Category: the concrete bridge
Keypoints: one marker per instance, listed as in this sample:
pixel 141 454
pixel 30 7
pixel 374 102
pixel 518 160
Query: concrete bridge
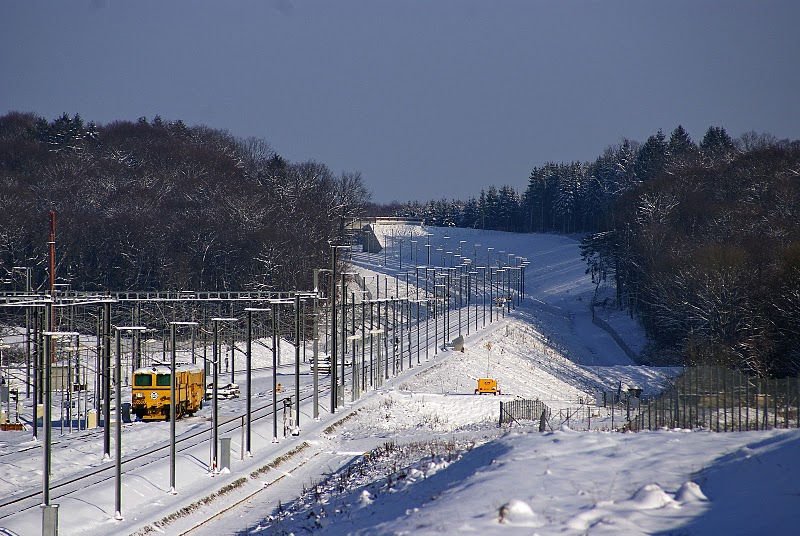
pixel 364 229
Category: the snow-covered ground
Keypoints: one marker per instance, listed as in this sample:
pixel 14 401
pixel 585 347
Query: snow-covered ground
pixel 423 455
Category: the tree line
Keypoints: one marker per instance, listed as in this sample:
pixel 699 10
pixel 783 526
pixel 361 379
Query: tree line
pixel 159 205
pixel 706 251
pixel 701 240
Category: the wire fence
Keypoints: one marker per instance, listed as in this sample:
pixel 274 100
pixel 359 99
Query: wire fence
pixel 528 410
pixel 614 415
pixel 722 400
pixel 708 398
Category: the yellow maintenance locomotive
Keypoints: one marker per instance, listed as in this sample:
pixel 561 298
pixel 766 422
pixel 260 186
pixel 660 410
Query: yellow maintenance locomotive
pixel 151 391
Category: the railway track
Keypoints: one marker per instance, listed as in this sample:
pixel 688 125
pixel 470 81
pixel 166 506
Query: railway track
pixel 31 498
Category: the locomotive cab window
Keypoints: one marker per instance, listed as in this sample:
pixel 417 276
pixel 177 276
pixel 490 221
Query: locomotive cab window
pixel 162 380
pixel 142 380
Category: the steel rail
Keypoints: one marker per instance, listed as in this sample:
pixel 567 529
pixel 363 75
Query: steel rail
pixel 138 455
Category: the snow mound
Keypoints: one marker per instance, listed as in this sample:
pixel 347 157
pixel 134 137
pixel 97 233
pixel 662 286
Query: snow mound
pixel 365 499
pixel 690 492
pixel 434 467
pixel 584 520
pixel 650 497
pixel 415 474
pixel 518 512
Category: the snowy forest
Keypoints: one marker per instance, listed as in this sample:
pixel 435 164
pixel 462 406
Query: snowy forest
pixel 158 205
pixel 701 240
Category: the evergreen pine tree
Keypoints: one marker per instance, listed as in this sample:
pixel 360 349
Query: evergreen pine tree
pixel 716 144
pixel 682 152
pixel 680 144
pixel 507 206
pixel 490 208
pixel 482 209
pixel 470 214
pixel 652 158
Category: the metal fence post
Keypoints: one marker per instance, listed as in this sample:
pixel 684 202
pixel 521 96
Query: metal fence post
pixel 758 427
pixel 739 396
pixel 747 404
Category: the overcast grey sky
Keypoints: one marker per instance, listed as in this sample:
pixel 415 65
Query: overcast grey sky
pixel 426 98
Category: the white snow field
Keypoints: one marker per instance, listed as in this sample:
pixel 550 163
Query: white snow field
pixel 423 455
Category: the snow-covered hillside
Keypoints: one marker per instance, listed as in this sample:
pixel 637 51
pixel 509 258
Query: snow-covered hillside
pixel 437 463
pixel 423 455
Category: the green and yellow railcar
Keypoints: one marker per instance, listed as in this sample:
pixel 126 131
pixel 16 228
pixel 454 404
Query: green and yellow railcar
pixel 151 391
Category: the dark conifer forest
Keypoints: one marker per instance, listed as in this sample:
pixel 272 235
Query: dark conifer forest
pixel 701 240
